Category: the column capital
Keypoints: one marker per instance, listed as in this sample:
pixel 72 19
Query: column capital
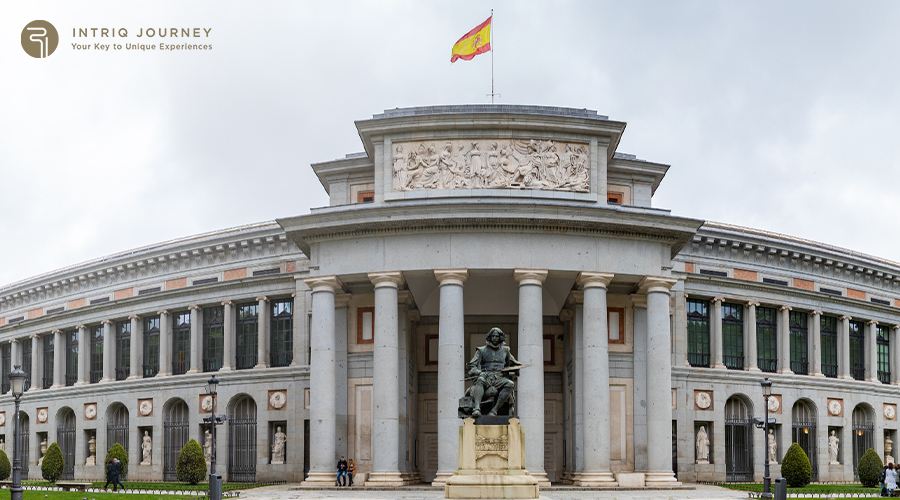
pixel 134 316
pixel 194 306
pixel 896 327
pixel 451 276
pixel 54 332
pixel 566 315
pixel 327 283
pixel 37 336
pixel 530 276
pixel 262 298
pixel 81 327
pixel 14 341
pixel 660 284
pixel 816 313
pixel 872 322
pixel 845 317
pixel 393 279
pixel 163 312
pixel 639 300
pixel 575 297
pixel 717 299
pixel 753 303
pixel 414 315
pixel 786 308
pixel 342 299
pixel 404 298
pixel 593 279
pixel 227 303
pixel 106 322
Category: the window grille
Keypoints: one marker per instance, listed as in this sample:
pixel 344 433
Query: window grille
pixel 863 434
pixel 48 362
pixel 151 346
pixel 65 436
pixel 5 354
pixel 242 442
pixel 767 338
pixel 27 354
pixel 698 333
pixel 799 343
pixel 733 335
pixel 828 333
pixel 803 430
pixel 123 350
pixel 181 343
pixel 884 354
pixel 857 350
pixel 247 337
pixel 71 357
pixel 738 441
pixel 175 436
pixel 96 353
pixel 213 338
pixel 281 332
pixel 117 427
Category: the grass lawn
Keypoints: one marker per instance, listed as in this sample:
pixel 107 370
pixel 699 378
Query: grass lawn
pixel 810 488
pixel 156 486
pixel 75 495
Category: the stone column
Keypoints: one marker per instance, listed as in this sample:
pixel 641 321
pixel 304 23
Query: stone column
pixel 784 341
pixel 716 341
pixel 342 393
pixel 37 358
pixel 752 350
pixel 13 355
pixel 895 356
pixel 531 379
pixel 451 368
pixel 596 383
pixel 262 333
pixel 641 440
pixel 165 343
pixel 814 331
pixel 408 318
pixel 322 382
pixel 136 348
pixel 578 385
pixel 84 358
pixel 301 324
pixel 196 339
pixel 844 348
pixel 59 358
pixel 109 351
pixel 659 381
pixel 871 360
pixel 385 385
pixel 228 337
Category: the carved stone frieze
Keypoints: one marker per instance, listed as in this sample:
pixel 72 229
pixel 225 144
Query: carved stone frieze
pixel 467 164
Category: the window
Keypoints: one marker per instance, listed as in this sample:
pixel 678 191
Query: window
pixel 733 335
pixel 829 346
pixel 96 353
pixel 365 197
pixel 71 357
pixel 247 337
pixel 48 362
pixel 549 350
pixel 431 349
pixel 767 338
pixel 799 343
pixel 181 343
pixel 5 354
pixel 884 354
pixel 614 198
pixel 151 346
pixel 123 349
pixel 615 316
pixel 698 332
pixel 213 338
pixel 365 324
pixel 281 332
pixel 27 353
pixel 857 350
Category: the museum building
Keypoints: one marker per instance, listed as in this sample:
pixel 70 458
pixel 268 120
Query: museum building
pixel 346 331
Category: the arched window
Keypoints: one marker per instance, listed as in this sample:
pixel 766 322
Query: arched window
pixel 65 436
pixel 242 441
pixel 117 426
pixel 803 430
pixel 738 440
pixel 175 436
pixel 863 433
pixel 23 442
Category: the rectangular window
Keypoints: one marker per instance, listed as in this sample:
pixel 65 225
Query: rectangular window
pixel 365 197
pixel 698 332
pixel 48 362
pixel 71 357
pixel 151 346
pixel 247 335
pixel 365 324
pixel 767 338
pixel 884 354
pixel 5 351
pixel 799 343
pixel 27 353
pixel 123 349
pixel 96 353
pixel 614 198
pixel 549 350
pixel 828 333
pixel 733 336
pixel 431 349
pixel 615 316
pixel 213 338
pixel 281 332
pixel 857 350
pixel 181 343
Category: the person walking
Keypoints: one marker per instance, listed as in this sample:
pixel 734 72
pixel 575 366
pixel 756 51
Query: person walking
pixel 351 471
pixel 342 472
pixel 890 480
pixel 113 473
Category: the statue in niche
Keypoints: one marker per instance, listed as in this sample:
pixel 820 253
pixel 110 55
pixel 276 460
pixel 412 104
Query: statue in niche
pixel 492 388
pixel 400 171
pixel 773 447
pixel 3 444
pixel 278 447
pixel 834 445
pixel 207 445
pixel 92 451
pixel 43 451
pixel 702 446
pixel 888 447
pixel 146 448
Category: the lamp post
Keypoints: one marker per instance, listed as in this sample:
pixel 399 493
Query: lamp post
pixel 767 481
pixel 17 381
pixel 215 481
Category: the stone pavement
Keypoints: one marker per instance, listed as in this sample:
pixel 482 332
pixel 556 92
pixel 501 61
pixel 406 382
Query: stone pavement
pixel 291 492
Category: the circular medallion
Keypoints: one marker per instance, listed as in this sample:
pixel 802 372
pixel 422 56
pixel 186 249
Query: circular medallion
pixel 703 400
pixel 42 415
pixel 277 400
pixel 890 412
pixel 3 418
pixel 90 411
pixel 206 403
pixel 835 407
pixel 146 407
pixel 774 405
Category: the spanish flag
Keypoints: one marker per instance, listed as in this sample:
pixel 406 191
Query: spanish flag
pixel 477 41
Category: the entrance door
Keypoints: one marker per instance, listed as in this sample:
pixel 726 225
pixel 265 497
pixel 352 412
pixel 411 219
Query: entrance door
pixel 804 433
pixel 23 442
pixel 65 436
pixel 863 433
pixel 175 436
pixel 738 441
pixel 242 441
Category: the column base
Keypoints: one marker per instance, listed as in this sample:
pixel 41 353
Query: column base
pixel 873 380
pixel 411 477
pixel 260 366
pixel 594 479
pixel 81 382
pixel 326 479
pixel 720 366
pixel 386 479
pixel 133 377
pixel 542 480
pixel 55 386
pixel 193 370
pixel 107 379
pixel 817 374
pixel 229 369
pixel 163 374
pixel 785 371
pixel 846 377
pixel 440 480
pixel 753 368
pixel 660 480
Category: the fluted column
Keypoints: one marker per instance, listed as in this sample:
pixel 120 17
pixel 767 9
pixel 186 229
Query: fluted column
pixel 386 366
pixel 59 357
pixel 784 341
pixel 196 339
pixel 228 337
pixel 752 350
pixel 815 343
pixel 109 351
pixel 659 381
pixel 451 368
pixel 531 379
pixel 84 359
pixel 262 333
pixel 37 357
pixel 136 348
pixel 895 355
pixel 165 343
pixel 844 344
pixel 716 341
pixel 322 378
pixel 871 346
pixel 596 382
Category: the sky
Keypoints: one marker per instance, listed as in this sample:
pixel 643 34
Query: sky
pixel 777 115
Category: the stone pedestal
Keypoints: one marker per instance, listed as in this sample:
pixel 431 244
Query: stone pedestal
pixel 491 463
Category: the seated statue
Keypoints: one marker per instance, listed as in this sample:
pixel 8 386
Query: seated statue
pixel 491 392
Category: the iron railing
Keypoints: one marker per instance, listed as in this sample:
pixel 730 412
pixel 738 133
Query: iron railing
pixel 96 375
pixel 242 450
pixel 281 358
pixel 179 367
pixel 738 450
pixel 65 436
pixel 800 367
pixel 768 364
pixel 734 362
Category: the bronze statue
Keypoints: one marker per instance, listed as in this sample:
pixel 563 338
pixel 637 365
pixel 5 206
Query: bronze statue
pixel 491 369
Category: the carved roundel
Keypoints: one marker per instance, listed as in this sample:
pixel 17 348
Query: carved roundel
pixel 774 404
pixel 146 407
pixel 703 400
pixel 206 403
pixel 890 412
pixel 42 415
pixel 90 411
pixel 277 400
pixel 3 418
pixel 835 407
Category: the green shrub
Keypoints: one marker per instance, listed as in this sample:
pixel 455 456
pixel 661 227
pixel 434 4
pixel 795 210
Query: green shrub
pixel 116 451
pixel 869 468
pixel 5 468
pixel 795 467
pixel 191 466
pixel 52 466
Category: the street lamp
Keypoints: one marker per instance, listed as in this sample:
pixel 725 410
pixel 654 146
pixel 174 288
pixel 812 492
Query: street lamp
pixel 215 480
pixel 17 381
pixel 767 481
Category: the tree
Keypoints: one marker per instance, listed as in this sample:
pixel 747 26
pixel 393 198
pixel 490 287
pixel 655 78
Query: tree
pixel 116 451
pixel 5 468
pixel 795 467
pixel 191 467
pixel 52 466
pixel 869 468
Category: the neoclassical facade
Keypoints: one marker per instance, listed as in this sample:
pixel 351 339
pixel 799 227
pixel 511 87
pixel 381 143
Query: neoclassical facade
pixel 345 331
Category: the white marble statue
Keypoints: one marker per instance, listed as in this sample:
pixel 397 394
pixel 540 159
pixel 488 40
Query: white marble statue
pixel 2 444
pixel 833 446
pixel 702 446
pixel 43 451
pixel 207 445
pixel 888 447
pixel 773 447
pixel 92 452
pixel 146 448
pixel 278 447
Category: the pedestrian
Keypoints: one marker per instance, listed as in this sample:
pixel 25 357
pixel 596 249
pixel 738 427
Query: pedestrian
pixel 342 472
pixel 113 472
pixel 351 471
pixel 118 475
pixel 890 480
pixel 881 480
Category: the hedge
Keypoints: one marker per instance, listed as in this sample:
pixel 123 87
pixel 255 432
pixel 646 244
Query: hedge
pixel 869 468
pixel 795 467
pixel 52 466
pixel 191 467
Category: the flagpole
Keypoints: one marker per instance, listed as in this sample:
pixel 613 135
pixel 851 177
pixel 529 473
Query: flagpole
pixel 492 56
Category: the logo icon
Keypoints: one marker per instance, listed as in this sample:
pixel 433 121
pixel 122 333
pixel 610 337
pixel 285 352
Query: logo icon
pixel 39 39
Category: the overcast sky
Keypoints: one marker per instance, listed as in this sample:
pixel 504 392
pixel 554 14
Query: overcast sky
pixel 782 116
